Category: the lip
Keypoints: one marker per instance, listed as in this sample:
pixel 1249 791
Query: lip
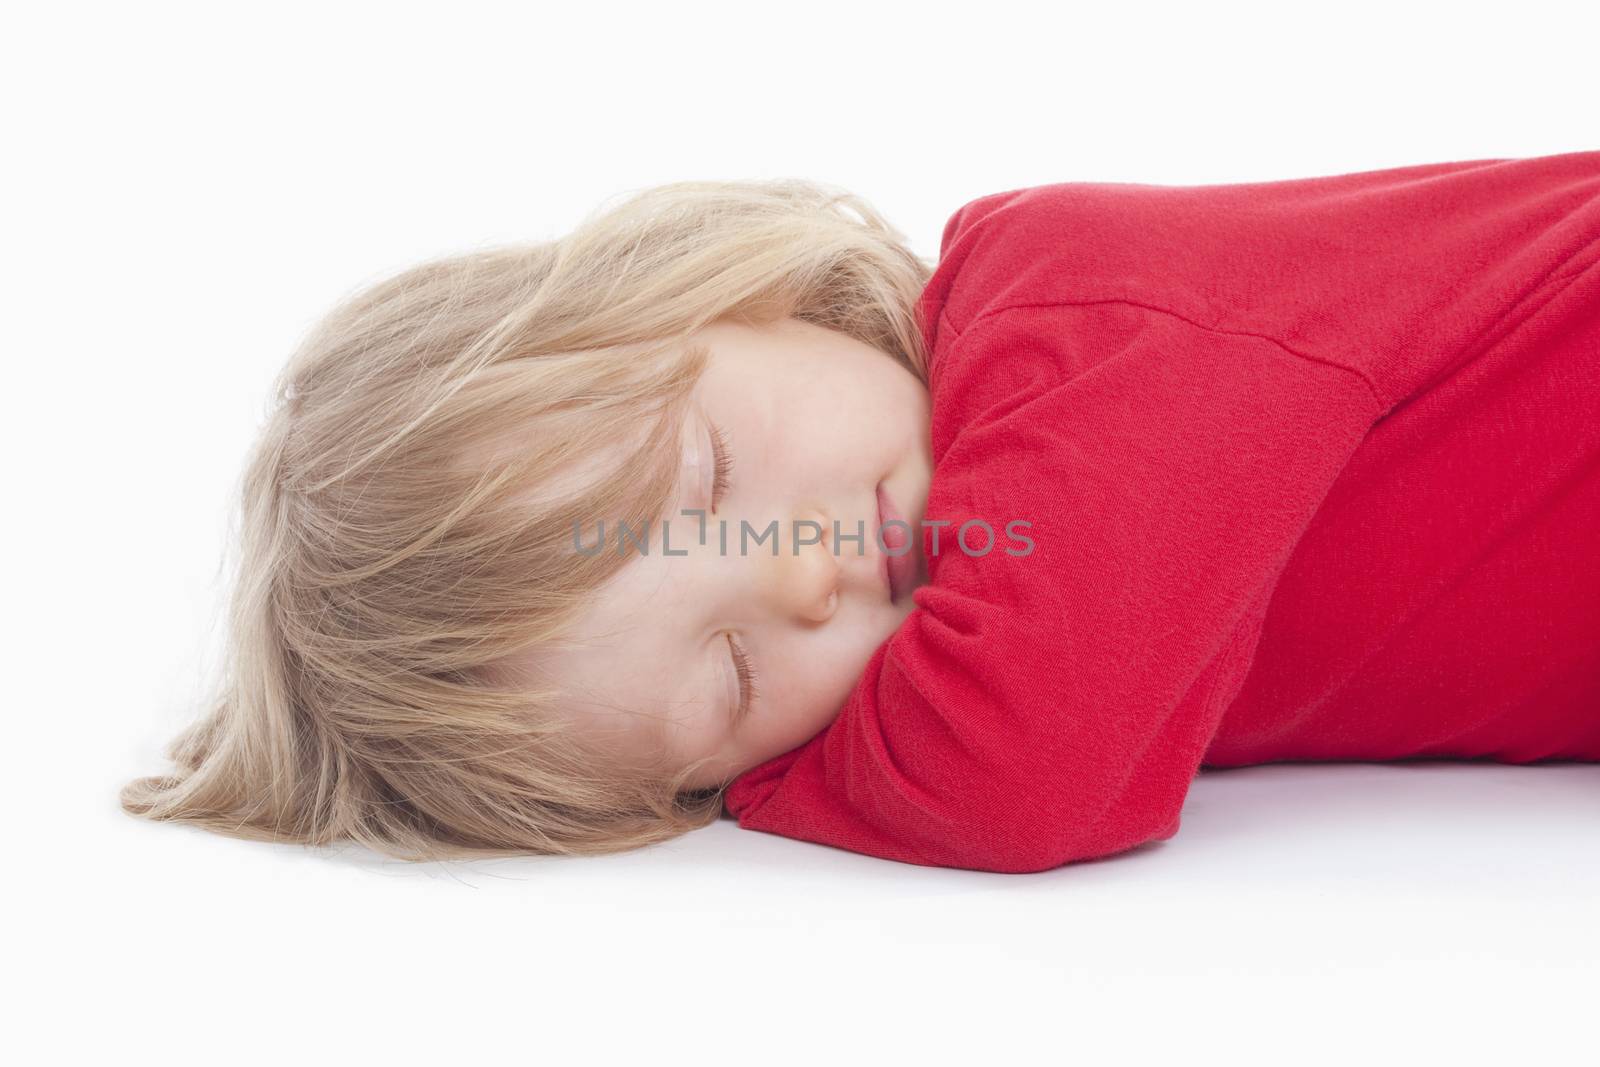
pixel 898 570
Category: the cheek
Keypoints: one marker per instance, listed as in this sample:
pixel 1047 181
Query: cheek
pixel 889 415
pixel 821 673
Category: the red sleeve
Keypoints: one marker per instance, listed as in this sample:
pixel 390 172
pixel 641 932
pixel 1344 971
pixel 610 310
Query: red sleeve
pixel 1038 709
pixel 1405 274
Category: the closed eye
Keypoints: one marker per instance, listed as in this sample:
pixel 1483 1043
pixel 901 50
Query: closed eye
pixel 721 479
pixel 748 689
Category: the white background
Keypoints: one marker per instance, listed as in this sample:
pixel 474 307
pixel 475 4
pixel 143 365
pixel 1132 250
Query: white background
pixel 187 187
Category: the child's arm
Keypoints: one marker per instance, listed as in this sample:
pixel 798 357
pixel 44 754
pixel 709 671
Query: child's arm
pixel 1165 381
pixel 1034 710
pixel 1405 275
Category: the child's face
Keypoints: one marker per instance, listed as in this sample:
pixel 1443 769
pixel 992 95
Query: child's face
pixel 814 422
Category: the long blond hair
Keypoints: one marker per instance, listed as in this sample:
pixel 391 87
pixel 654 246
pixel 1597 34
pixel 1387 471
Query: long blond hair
pixel 403 527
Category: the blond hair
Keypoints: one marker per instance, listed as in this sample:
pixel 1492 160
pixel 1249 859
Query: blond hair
pixel 403 525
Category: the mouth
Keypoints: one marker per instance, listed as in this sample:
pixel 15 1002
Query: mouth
pixel 895 541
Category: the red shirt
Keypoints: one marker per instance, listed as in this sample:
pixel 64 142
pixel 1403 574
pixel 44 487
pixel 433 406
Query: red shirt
pixel 1313 472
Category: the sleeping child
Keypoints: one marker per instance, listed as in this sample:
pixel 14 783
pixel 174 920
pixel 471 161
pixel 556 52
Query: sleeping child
pixel 726 502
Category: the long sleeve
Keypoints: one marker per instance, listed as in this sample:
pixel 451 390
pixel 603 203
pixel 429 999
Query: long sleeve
pixel 1036 709
pixel 1405 275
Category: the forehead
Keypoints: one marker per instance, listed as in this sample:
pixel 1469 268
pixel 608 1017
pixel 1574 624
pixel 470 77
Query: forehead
pixel 633 661
pixel 633 623
pixel 634 648
pixel 628 665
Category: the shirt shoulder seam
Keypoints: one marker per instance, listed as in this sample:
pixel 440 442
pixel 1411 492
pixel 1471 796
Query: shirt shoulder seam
pixel 992 313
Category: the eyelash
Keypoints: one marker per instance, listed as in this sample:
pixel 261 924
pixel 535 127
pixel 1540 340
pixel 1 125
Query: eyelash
pixel 721 481
pixel 748 689
pixel 722 461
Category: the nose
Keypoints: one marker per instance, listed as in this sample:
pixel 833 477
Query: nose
pixel 802 580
